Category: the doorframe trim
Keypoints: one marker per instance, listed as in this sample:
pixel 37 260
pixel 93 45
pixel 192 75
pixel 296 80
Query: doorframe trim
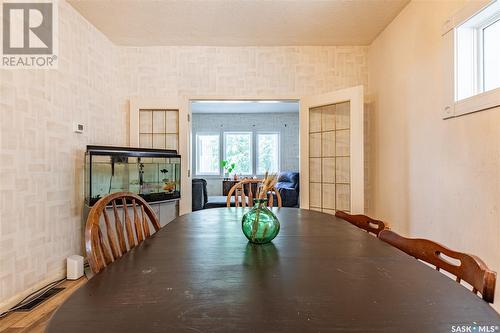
pixel 185 103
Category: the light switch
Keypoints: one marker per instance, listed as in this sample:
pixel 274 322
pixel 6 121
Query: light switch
pixel 78 128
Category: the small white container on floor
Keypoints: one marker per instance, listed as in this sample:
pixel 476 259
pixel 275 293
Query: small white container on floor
pixel 74 267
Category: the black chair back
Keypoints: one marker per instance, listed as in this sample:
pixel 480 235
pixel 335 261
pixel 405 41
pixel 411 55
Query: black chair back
pixel 199 194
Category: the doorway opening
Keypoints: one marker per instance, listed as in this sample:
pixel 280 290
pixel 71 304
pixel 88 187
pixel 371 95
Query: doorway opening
pixel 235 139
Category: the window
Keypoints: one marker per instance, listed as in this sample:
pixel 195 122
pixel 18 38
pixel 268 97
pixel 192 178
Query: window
pixel 238 149
pixel 208 154
pixel 268 152
pixel 252 153
pixel 477 53
pixel 491 45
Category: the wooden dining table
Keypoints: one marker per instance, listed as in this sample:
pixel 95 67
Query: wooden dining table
pixel 320 274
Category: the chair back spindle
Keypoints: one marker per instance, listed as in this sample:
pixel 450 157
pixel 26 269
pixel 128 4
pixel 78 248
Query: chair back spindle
pixel 243 193
pixel 119 229
pixel 103 250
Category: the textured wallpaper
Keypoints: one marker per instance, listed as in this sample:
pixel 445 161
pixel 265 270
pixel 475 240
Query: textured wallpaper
pixel 41 159
pixel 241 71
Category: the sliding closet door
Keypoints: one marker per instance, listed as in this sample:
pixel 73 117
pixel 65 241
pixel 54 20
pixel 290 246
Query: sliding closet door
pixel 329 158
pixel 332 174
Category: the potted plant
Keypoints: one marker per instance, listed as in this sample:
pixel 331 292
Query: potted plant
pixel 229 167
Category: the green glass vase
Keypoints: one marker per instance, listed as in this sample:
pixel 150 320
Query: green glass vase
pixel 259 224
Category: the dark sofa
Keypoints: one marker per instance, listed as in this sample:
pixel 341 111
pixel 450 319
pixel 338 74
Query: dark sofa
pixel 288 186
pixel 199 194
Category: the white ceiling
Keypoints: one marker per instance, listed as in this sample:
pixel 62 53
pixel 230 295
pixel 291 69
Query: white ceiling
pixel 240 22
pixel 245 106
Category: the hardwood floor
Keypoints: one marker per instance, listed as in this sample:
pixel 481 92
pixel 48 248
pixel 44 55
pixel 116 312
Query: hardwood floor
pixel 36 320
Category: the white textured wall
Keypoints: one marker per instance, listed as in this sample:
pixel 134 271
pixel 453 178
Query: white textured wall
pixel 41 159
pixel 433 178
pixel 241 71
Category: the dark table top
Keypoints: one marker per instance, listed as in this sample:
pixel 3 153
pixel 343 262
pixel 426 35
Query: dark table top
pixel 199 274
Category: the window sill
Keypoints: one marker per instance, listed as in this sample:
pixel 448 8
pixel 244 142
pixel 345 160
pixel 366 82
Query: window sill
pixel 208 176
pixel 484 101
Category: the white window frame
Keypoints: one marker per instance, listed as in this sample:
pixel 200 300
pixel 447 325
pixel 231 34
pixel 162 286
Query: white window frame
pixel 251 149
pixel 257 149
pixel 481 100
pixel 197 152
pixel 487 23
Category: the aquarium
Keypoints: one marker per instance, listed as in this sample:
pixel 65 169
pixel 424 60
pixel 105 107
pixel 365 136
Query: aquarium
pixel 154 174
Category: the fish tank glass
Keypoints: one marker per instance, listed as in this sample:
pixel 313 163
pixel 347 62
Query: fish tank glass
pixel 154 174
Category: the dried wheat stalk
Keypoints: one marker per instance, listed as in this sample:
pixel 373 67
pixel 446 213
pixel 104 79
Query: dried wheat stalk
pixel 267 185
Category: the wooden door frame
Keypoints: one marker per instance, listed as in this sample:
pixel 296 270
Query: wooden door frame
pixel 185 102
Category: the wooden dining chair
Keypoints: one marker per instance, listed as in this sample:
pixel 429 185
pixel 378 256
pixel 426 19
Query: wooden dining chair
pixel 243 193
pixel 364 222
pixel 467 267
pixel 101 251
